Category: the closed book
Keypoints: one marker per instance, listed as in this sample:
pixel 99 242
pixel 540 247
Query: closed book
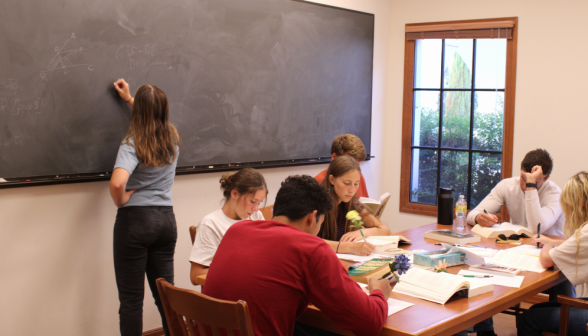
pixel 450 236
pixel 373 268
pixel 439 287
pixel 505 228
pixel 496 270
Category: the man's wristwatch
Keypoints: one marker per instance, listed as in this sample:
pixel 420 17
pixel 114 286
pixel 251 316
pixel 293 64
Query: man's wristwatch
pixel 532 185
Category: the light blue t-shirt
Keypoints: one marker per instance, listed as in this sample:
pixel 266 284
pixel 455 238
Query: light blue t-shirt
pixel 152 184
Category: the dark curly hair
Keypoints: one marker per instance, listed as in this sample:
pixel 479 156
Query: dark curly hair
pixel 301 195
pixel 538 157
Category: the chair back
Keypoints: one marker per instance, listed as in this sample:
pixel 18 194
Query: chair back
pixel 268 212
pixel 193 233
pixel 187 310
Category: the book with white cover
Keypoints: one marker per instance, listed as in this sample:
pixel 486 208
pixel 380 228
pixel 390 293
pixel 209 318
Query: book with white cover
pixel 376 206
pixel 439 287
pixel 517 260
pixel 505 228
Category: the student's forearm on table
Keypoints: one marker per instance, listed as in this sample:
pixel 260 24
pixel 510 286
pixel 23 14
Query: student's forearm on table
pixel 545 257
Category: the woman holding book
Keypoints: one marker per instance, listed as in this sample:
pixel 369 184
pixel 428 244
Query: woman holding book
pixel 342 180
pixel 571 256
pixel 243 191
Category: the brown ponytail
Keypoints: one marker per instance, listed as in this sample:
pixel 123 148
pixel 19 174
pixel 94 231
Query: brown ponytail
pixel 246 181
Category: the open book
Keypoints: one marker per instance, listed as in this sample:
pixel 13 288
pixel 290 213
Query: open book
pixel 384 243
pixel 376 206
pixel 505 228
pixel 440 287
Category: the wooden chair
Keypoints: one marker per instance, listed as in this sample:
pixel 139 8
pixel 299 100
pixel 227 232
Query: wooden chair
pixel 268 212
pixel 566 302
pixel 186 310
pixel 193 233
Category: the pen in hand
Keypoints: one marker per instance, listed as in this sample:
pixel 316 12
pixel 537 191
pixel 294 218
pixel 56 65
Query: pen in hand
pixel 539 235
pixel 385 276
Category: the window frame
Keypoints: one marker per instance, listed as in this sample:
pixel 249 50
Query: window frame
pixel 408 99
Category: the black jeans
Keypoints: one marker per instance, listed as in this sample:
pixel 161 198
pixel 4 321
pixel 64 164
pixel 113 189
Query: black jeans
pixel 144 242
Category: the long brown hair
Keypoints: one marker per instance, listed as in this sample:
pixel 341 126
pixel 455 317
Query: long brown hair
pixel 154 138
pixel 246 181
pixel 340 166
pixel 574 203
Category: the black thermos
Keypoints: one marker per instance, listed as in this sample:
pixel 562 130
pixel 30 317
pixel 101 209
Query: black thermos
pixel 445 206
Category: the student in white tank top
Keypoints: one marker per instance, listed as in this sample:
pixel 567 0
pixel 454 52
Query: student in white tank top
pixel 571 257
pixel 243 193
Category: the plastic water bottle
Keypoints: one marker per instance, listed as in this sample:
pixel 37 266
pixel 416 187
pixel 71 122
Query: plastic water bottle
pixel 461 207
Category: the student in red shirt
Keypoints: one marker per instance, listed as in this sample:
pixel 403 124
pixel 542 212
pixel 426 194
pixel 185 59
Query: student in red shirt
pixel 348 145
pixel 278 267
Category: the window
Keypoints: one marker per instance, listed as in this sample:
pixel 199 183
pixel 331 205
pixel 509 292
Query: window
pixel 458 110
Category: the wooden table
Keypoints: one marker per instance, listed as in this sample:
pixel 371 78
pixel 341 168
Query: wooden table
pixel 429 318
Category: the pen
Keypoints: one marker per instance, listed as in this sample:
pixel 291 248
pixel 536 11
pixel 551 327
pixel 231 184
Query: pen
pixel 476 276
pixel 539 234
pixel 385 276
pixel 486 212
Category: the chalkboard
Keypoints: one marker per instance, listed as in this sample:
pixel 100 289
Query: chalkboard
pixel 257 82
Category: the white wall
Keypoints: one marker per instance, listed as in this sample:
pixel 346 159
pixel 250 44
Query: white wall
pixel 56 241
pixel 550 110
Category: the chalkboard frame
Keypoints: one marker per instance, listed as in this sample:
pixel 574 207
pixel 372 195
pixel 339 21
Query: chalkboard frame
pixel 185 170
pixel 105 176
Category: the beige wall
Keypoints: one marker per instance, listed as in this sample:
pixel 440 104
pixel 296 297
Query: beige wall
pixel 55 241
pixel 550 111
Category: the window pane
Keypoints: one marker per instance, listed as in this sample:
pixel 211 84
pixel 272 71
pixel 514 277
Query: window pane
pixel 454 172
pixel 488 120
pixel 490 63
pixel 456 119
pixel 426 118
pixel 427 67
pixel 423 179
pixel 485 175
pixel 458 64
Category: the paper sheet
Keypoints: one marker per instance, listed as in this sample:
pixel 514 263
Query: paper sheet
pixel 394 306
pixel 515 281
pixel 526 249
pixel 517 260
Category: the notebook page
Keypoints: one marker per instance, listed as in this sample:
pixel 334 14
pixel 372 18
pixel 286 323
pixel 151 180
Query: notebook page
pixel 517 260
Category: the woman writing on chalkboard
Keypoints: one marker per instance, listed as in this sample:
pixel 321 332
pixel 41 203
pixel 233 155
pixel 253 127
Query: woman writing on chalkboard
pixel 145 228
pixel 342 180
pixel 243 192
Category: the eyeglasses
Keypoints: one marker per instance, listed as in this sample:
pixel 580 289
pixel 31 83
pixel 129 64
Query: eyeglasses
pixel 512 239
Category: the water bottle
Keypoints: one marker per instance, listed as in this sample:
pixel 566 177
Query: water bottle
pixel 461 207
